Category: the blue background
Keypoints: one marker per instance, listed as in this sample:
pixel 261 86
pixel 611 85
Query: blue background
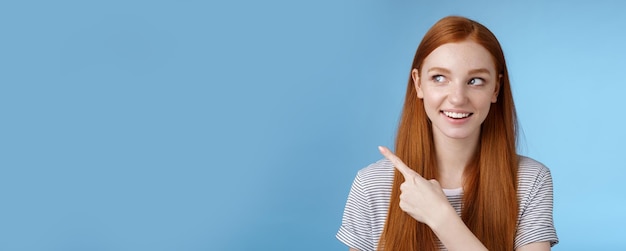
pixel 192 125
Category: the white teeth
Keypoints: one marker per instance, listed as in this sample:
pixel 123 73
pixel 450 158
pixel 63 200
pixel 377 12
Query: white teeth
pixel 456 115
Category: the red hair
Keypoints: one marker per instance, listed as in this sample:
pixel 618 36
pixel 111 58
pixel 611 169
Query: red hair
pixel 490 205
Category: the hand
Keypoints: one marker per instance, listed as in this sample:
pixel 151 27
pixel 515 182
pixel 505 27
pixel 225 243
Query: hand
pixel 422 199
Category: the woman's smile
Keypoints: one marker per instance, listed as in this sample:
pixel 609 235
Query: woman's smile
pixel 456 115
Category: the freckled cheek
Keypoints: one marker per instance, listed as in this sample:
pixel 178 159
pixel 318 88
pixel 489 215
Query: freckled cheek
pixel 434 102
pixel 432 108
pixel 484 99
pixel 433 95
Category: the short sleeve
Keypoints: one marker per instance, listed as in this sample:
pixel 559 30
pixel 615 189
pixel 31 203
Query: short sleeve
pixel 536 223
pixel 356 226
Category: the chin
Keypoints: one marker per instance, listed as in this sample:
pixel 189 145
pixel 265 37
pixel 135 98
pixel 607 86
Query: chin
pixel 459 134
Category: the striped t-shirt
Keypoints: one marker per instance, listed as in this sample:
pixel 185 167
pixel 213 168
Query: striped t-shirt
pixel 366 209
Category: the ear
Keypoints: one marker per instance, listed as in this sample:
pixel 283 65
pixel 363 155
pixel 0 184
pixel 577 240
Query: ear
pixel 494 98
pixel 416 81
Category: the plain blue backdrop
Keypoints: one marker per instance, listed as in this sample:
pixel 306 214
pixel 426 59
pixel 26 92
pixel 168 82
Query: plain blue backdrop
pixel 194 125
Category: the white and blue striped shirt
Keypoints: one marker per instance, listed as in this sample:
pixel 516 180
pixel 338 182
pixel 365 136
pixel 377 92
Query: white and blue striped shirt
pixel 368 202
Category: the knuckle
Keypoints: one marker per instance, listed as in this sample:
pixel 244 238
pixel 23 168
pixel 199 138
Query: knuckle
pixel 403 205
pixel 405 187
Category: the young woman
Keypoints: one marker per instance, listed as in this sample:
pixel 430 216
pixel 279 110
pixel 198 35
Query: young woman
pixel 455 181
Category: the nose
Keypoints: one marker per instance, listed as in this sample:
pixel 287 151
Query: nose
pixel 457 94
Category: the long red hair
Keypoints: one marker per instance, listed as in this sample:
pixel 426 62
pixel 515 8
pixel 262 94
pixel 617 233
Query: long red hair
pixel 490 205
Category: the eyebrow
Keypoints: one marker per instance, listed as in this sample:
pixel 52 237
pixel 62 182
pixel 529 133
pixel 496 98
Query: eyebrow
pixel 481 70
pixel 474 71
pixel 438 69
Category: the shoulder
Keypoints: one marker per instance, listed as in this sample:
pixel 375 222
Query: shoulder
pixel 531 170
pixel 375 180
pixel 535 223
pixel 534 185
pixel 365 213
pixel 378 171
pixel 382 167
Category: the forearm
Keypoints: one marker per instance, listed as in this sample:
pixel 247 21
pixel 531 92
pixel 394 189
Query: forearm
pixel 454 234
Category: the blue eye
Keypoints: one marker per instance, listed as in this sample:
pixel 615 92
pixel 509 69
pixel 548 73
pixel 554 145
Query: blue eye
pixel 439 78
pixel 476 81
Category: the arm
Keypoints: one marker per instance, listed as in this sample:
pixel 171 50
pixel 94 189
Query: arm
pixel 535 246
pixel 463 239
pixel 453 232
pixel 424 201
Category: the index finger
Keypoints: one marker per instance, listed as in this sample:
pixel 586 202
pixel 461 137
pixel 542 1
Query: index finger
pixel 398 163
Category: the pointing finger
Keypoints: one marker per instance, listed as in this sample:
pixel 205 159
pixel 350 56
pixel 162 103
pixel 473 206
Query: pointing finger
pixel 397 162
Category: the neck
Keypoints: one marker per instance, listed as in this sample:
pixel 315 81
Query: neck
pixel 453 155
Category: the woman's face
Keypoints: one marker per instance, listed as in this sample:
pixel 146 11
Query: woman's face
pixel 458 82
